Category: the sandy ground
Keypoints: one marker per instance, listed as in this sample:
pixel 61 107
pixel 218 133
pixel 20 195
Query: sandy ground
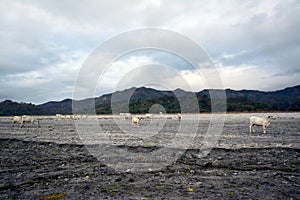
pixel 59 159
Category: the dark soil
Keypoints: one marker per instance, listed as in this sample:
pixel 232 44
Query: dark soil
pixel 47 170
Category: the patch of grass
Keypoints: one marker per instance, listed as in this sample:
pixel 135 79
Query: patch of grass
pixel 229 193
pixel 158 184
pixel 93 163
pixel 31 182
pixel 186 173
pixel 229 186
pixel 148 195
pixel 190 189
pixel 113 187
pixel 54 196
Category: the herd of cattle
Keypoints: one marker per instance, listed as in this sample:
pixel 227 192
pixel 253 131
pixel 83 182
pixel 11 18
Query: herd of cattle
pixel 136 120
pixel 24 119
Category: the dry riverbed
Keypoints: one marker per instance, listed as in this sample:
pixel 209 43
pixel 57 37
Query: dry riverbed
pixel 52 162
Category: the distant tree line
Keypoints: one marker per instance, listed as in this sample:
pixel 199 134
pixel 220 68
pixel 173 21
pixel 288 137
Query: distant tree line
pixel 143 99
pixel 171 105
pixel 10 108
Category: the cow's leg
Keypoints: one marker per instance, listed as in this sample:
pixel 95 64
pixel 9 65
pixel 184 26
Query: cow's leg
pixel 265 129
pixel 251 128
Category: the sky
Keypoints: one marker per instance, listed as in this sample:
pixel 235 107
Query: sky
pixel 45 45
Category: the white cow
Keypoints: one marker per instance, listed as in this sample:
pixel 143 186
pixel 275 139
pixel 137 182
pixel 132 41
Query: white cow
pixel 24 119
pixel 258 121
pixel 178 116
pixel 17 119
pixel 148 115
pixel 136 120
pixel 29 119
pixel 126 115
pixel 83 116
pixel 69 116
pixel 76 117
pixel 59 116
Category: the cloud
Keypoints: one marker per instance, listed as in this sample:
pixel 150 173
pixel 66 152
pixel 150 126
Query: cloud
pixel 123 69
pixel 253 77
pixel 44 43
pixel 53 82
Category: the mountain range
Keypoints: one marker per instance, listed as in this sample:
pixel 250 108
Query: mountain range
pixel 142 99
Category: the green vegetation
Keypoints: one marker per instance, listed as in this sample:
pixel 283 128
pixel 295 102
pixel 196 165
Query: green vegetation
pixel 148 195
pixel 8 107
pixel 142 99
pixel 54 196
pixel 113 187
pixel 230 193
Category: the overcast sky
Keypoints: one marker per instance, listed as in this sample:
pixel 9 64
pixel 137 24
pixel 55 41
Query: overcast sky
pixel 43 45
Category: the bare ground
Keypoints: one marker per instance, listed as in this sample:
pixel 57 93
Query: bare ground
pixel 241 166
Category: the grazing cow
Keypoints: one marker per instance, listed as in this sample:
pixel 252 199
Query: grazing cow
pixel 178 116
pixel 29 119
pixel 69 116
pixel 59 116
pixel 258 121
pixel 76 117
pixel 148 115
pixel 83 116
pixel 17 119
pixel 136 120
pixel 125 115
